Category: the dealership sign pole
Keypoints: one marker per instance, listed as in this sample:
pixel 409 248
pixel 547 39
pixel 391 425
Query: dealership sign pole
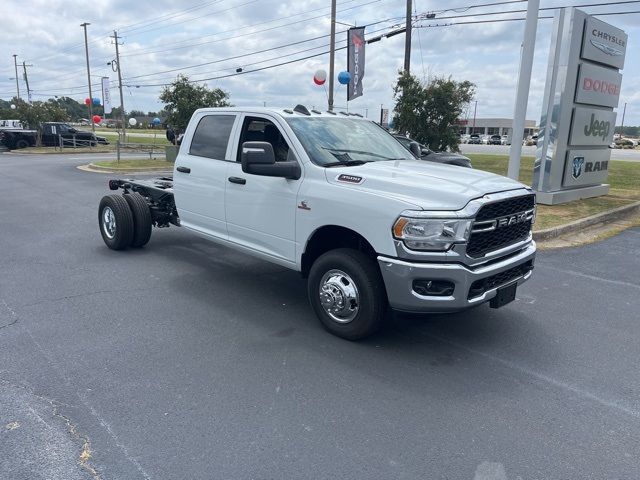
pixel 578 121
pixel 524 82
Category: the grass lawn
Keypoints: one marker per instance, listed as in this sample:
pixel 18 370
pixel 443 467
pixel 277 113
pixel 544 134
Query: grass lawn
pixel 624 178
pixel 97 149
pixel 159 131
pixel 135 163
pixel 138 144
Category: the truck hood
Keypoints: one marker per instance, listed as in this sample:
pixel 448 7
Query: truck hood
pixel 426 185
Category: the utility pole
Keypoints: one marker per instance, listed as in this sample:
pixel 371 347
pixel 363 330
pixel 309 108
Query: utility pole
pixel 86 51
pixel 522 92
pixel 15 63
pixel 624 110
pixel 332 53
pixel 407 40
pixel 26 80
pixel 124 123
pixel 475 109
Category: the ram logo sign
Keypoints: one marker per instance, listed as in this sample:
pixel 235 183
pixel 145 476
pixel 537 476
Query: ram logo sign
pixel 578 162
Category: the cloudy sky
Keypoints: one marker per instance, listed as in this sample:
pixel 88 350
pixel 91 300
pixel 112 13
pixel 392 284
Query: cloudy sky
pixel 199 38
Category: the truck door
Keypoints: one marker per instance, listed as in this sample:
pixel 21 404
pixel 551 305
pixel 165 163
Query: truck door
pixel 261 210
pixel 200 175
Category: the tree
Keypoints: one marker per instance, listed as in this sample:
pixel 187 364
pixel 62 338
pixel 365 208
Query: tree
pixel 182 98
pixel 429 113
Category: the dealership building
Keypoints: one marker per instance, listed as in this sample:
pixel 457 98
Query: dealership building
pixel 494 126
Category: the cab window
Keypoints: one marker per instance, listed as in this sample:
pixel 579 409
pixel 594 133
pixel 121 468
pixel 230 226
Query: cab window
pixel 212 136
pixel 255 129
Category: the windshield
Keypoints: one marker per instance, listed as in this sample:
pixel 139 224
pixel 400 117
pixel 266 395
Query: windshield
pixel 346 141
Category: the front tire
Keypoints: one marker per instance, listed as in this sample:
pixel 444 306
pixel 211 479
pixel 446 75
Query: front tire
pixel 21 144
pixel 347 293
pixel 116 222
pixel 141 219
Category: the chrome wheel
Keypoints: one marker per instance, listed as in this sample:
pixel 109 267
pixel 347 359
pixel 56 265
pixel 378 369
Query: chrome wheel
pixel 339 296
pixel 108 222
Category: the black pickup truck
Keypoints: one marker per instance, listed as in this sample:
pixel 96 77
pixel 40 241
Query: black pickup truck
pixel 54 134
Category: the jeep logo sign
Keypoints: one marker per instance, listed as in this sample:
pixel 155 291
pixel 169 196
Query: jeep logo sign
pixel 604 43
pixel 592 126
pixel 598 86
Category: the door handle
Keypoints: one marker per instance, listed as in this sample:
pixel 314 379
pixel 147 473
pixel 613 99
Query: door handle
pixel 184 169
pixel 238 180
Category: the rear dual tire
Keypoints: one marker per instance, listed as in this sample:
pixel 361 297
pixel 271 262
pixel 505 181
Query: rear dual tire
pixel 124 220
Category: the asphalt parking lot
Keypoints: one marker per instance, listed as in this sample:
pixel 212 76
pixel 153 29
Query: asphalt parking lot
pixel 185 360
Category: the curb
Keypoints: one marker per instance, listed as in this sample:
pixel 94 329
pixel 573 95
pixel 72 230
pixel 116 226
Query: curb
pixel 600 218
pixel 98 168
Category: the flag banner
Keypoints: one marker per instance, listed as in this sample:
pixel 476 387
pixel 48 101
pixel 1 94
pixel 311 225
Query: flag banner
pixel 384 117
pixel 106 94
pixel 355 61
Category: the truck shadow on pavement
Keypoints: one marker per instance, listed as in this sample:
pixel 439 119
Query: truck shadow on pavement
pixel 271 302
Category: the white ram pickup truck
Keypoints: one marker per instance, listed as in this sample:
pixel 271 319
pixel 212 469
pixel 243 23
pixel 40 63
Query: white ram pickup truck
pixel 337 198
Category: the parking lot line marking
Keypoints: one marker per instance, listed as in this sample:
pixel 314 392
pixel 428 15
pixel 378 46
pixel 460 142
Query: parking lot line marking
pixel 609 403
pixel 589 277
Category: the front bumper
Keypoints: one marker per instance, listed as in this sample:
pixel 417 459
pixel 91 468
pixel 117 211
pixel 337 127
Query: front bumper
pixel 399 275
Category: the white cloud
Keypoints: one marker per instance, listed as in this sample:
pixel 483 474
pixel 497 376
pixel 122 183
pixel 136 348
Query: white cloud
pixel 49 36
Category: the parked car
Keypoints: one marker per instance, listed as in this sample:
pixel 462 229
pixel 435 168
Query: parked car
pixel 505 140
pixel 449 158
pixel 55 132
pixel 317 192
pixel 494 140
pixel 474 138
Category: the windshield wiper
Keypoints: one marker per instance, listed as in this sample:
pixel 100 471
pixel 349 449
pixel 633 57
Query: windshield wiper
pixel 361 152
pixel 347 163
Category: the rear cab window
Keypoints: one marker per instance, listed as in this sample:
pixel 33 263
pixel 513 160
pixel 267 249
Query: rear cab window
pixel 212 135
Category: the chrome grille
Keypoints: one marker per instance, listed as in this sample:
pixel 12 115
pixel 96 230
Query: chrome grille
pixel 500 224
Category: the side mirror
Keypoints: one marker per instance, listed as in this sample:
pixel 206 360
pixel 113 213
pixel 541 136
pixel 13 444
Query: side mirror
pixel 424 152
pixel 414 147
pixel 258 159
pixel 73 130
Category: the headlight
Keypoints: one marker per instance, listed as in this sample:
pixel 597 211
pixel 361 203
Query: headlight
pixel 436 234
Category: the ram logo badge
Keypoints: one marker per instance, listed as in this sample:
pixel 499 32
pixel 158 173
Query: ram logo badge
pixel 576 166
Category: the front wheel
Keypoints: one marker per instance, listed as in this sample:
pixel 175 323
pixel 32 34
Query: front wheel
pixel 347 293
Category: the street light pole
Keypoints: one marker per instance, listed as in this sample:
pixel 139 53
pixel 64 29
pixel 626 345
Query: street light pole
pixel 124 123
pixel 15 63
pixel 624 111
pixel 332 52
pixel 86 51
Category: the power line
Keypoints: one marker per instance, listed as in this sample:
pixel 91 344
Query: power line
pixel 249 54
pixel 191 19
pixel 251 64
pixel 166 16
pixel 483 14
pixel 179 47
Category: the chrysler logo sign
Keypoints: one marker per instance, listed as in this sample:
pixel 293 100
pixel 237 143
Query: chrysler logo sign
pixel 614 52
pixel 603 43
